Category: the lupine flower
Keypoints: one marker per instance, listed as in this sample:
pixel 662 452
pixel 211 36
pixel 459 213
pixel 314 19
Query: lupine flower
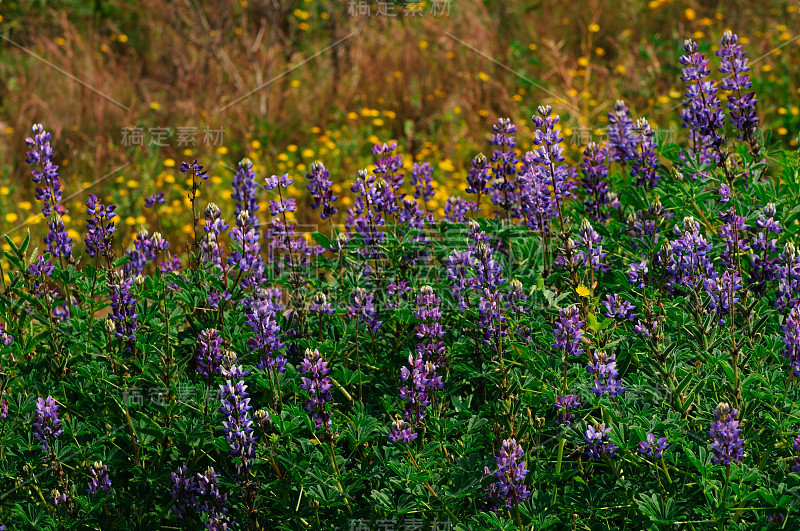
pixel 57 497
pixel 791 339
pixel 237 426
pixel 775 519
pixel 517 295
pixel 599 442
pixel 318 386
pixel 643 168
pixel 396 291
pixel 421 180
pixel 722 293
pixel 604 368
pixel 99 227
pixel 701 113
pixel 46 424
pixel 504 165
pixel 742 105
pixel 564 404
pixel 213 502
pixel 3 409
pixel 261 316
pixel 653 447
pixel 319 185
pixel 763 261
pixel 5 338
pixel 568 332
pixel 99 478
pixel 478 178
pixel 456 209
pixel 320 305
pixel 245 190
pixel 727 443
pixel 549 153
pixel 619 308
pixel 508 489
pixel 422 383
pixel 387 171
pixel 595 186
pixel 363 309
pixel 401 432
pixel 691 264
pixel 214 226
pixel 184 493
pixel 194 169
pixel 733 230
pixel 155 199
pixel 209 352
pixel 123 311
pixel 591 253
pixel 644 226
pixel 621 145
pixel 788 291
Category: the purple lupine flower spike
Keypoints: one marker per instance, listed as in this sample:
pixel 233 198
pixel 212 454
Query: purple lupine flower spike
pixel 123 311
pixel 620 134
pixel 319 185
pixel 568 332
pixel 209 352
pixel 46 424
pixel 99 478
pixel 727 443
pixel 184 493
pixel 595 185
pixel 508 489
pixel 653 447
pixel 194 168
pixel 604 368
pixel 643 168
pixel 245 190
pixel 318 386
pixel 422 181
pixel 791 339
pixel 154 200
pixel 99 227
pixel 237 426
pixel 564 404
pixel 741 104
pixel 597 437
pixel 401 432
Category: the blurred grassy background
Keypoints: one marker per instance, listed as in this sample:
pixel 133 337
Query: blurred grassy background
pixel 432 75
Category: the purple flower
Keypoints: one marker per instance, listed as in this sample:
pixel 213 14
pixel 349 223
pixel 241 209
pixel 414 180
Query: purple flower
pixel 320 305
pixel 509 489
pixel 363 309
pixel 701 109
pixel 549 154
pixel 245 190
pixel 155 199
pixel 213 502
pixel 591 253
pixel 727 443
pixel 5 338
pixel 99 478
pixel 644 165
pixel 422 383
pixel 319 185
pixel 270 183
pixel 401 432
pixel 237 426
pixel 604 368
pixel 742 105
pixel 184 493
pixel 46 424
pixel 318 386
pixel 422 181
pixel 123 311
pixel 261 316
pixel 478 177
pixel 619 308
pixel 564 404
pixel 99 227
pixel 690 263
pixel 653 447
pixel 194 169
pixel 209 352
pixel 595 185
pixel 599 442
pixel 210 247
pixel 504 165
pixel 568 332
pixel 722 293
pixel 621 143
pixel 456 209
pixel 791 339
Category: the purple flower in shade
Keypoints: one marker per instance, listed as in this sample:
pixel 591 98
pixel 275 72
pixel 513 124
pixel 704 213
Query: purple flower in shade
pixel 534 195
pixel 733 231
pixel 123 311
pixel 57 497
pixel 388 178
pixel 430 330
pixel 568 332
pixel 504 161
pixel 237 426
pixel 619 308
pixel 564 404
pixel 155 199
pixel 98 478
pixel 701 112
pixel 194 169
pixel 184 493
pixel 644 225
pixel 216 297
pixel 363 309
pixel 422 181
pixel 787 270
pixel 262 318
pixel 763 261
pixel 146 248
pixel 644 165
pixel 396 291
pixel 621 144
pixel 3 409
pixel 690 264
pixel 458 265
pixel 478 178
pixel 599 442
pixel 548 154
pixel 595 185
pixel 722 293
pixel 99 227
pixel 724 193
pixel 517 296
pixel 456 209
pixel 591 252
pixel 509 489
pixel 209 352
pixel 653 447
pixel 213 502
pixel 796 446
pixel 643 330
pixel 401 432
pixel 39 271
pixel 5 338
pixel 318 386
pixel 775 519
pixel 727 443
pixel 741 104
pixel 319 185
pixel 245 191
pixel 46 424
pixel 791 339
pixel 604 369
